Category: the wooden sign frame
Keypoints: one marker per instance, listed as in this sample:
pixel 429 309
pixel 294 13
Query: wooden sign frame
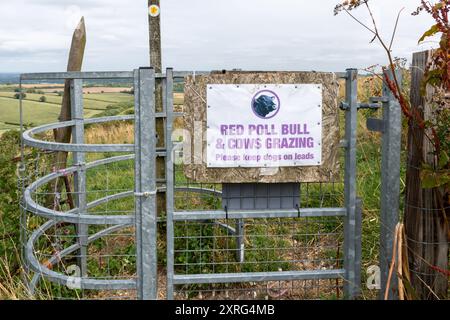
pixel 195 106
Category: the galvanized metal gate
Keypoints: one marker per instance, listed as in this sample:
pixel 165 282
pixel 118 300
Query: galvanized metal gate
pixel 223 218
pixel 307 229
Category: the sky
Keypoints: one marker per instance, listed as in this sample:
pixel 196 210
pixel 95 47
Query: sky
pixel 201 35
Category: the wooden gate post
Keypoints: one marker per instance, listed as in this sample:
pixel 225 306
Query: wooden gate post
pixel 425 223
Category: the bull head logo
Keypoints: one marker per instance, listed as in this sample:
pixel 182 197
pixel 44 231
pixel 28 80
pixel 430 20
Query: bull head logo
pixel 266 104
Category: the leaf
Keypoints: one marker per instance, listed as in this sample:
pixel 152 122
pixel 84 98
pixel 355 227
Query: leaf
pixel 432 78
pixel 427 167
pixel 428 180
pixel 434 179
pixel 443 160
pixel 438 6
pixel 431 32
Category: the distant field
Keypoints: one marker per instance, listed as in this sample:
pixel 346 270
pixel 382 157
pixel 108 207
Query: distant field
pixel 51 87
pixel 105 89
pixel 91 101
pixel 38 113
pixel 51 98
pixel 95 99
pixel 109 97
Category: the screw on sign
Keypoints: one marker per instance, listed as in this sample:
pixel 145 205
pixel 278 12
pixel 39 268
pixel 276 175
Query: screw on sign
pixel 154 10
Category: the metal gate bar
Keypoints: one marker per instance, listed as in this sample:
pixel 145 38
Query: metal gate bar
pixel 170 183
pixel 258 276
pixel 351 287
pixel 391 127
pixel 76 96
pixel 254 214
pixel 145 175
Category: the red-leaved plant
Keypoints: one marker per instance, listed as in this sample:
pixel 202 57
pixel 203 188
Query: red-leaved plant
pixel 435 177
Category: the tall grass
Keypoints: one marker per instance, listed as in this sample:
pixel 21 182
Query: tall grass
pixel 13 283
pixel 121 133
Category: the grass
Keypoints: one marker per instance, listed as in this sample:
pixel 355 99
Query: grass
pixel 109 97
pixel 11 286
pixel 51 98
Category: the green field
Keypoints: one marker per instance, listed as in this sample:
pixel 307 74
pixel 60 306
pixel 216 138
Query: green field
pixel 37 113
pixel 109 97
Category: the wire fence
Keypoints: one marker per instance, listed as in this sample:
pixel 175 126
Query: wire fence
pixel 258 245
pixel 269 246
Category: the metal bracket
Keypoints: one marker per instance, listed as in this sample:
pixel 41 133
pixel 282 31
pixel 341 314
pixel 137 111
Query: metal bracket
pixel 376 125
pixel 374 104
pixel 379 99
pixel 371 106
pixel 343 143
pixel 343 106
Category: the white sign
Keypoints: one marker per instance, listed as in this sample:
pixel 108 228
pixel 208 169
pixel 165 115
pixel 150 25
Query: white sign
pixel 256 126
pixel 154 10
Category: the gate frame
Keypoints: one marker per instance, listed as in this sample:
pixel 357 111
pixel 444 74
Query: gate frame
pixel 145 184
pixel 145 218
pixel 390 127
pixel 351 212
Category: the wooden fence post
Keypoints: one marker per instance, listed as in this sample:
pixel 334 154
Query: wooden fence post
pixel 425 224
pixel 156 63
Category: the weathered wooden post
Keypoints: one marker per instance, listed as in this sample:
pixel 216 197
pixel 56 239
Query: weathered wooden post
pixel 74 64
pixel 154 19
pixel 425 217
pixel 64 135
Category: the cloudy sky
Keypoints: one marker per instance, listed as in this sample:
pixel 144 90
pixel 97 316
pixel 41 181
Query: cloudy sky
pixel 203 34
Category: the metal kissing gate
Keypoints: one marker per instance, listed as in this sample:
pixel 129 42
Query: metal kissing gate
pixel 288 253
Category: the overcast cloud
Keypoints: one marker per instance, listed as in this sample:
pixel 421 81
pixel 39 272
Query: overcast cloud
pixel 203 34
